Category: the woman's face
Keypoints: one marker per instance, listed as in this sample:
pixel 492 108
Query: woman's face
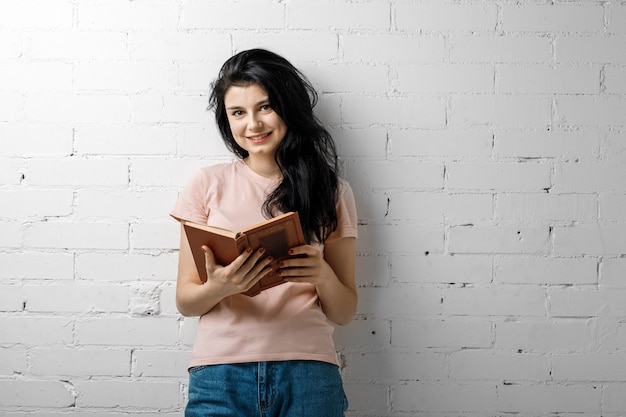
pixel 256 127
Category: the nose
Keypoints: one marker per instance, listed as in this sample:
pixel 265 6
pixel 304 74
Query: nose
pixel 254 123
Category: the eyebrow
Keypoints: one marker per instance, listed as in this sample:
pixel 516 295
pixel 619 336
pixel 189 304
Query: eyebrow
pixel 264 101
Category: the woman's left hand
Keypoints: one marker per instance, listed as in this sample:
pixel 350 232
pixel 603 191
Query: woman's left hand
pixel 306 264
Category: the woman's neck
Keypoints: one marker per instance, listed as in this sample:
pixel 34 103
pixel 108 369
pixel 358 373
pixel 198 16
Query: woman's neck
pixel 264 167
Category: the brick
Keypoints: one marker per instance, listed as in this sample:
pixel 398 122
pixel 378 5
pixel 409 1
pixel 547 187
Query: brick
pixel 36 265
pixel 399 301
pixel 558 336
pixel 124 393
pixel 507 110
pixel 164 172
pixel 615 146
pixel 358 143
pixel 123 204
pixel 545 271
pixel 569 145
pixel 551 398
pixel 596 48
pixel 11 107
pixel 128 140
pixel 123 15
pixel 194 141
pixel 366 397
pixel 440 17
pixel 11 45
pixel 394 48
pixel 441 143
pixel 245 14
pixel 372 204
pixel 195 76
pixel 590 110
pixel 135 77
pixel 153 235
pixel 76 45
pixel 161 363
pixel 445 397
pixel 500 49
pixel 506 176
pixel 402 174
pixel 480 365
pixel 553 17
pixel 448 334
pixel 321 46
pixel 85 298
pixel 340 78
pixel 588 367
pixel 36 393
pixel 125 267
pixel 498 239
pixel 69 108
pixel 440 207
pixel 167 299
pixel 446 269
pixel 614 80
pixel 617 18
pixel 587 303
pixel 36 77
pixel 380 239
pixel 590 240
pixel 614 398
pixel 77 235
pixel 455 78
pixel 328 15
pixel 80 362
pixel 392 366
pixel 30 140
pixel 375 334
pixel 11 234
pixel 74 171
pixel 372 270
pixel 188 45
pixel 546 208
pixel 111 331
pixel 37 14
pixel 12 361
pixel 589 177
pixel 11 298
pixel 423 112
pixel 35 331
pixel 543 79
pixel 35 202
pixel 494 301
pixel 612 272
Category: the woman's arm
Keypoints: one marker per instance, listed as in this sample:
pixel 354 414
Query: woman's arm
pixel 195 298
pixel 332 273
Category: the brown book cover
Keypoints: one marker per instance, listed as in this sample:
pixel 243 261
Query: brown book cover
pixel 276 235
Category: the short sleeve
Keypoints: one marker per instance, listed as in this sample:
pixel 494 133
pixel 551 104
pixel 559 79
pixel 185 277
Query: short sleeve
pixel 346 213
pixel 191 204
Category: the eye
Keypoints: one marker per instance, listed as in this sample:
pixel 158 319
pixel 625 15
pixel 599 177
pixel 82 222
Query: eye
pixel 266 108
pixel 236 113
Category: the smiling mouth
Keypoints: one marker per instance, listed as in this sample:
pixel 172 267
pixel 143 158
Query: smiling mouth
pixel 259 138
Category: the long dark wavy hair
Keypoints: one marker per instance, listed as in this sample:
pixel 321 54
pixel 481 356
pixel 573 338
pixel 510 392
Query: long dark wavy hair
pixel 307 156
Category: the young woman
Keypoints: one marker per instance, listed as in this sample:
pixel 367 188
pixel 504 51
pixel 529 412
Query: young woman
pixel 272 354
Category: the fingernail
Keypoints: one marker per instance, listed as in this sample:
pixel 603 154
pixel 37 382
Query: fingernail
pixel 261 250
pixel 249 250
pixel 290 251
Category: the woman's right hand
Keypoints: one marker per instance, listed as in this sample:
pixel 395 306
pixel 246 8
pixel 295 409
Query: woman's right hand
pixel 240 275
pixel 195 298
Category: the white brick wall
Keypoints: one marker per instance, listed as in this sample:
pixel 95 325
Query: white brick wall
pixel 485 141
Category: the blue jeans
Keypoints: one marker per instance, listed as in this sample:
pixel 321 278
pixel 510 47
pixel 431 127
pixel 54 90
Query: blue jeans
pixel 266 389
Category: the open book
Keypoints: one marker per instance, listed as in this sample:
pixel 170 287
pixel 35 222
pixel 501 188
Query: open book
pixel 276 235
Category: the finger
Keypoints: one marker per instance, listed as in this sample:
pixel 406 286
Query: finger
pixel 209 258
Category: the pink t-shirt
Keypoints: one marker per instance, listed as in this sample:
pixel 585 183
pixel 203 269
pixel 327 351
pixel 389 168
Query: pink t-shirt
pixel 285 322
